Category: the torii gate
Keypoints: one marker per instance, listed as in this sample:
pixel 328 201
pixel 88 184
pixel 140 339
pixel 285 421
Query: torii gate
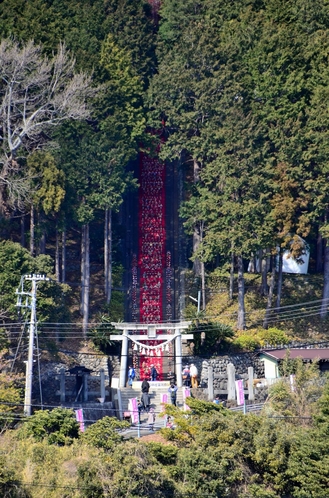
pixel 151 329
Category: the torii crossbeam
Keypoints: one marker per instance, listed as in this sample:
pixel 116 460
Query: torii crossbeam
pixel 151 329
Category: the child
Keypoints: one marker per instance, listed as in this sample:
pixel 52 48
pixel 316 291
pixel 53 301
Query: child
pixel 169 423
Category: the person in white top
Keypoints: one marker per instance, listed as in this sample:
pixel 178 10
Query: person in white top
pixel 194 375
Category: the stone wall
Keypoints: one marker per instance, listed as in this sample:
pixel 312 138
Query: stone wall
pixel 50 378
pixel 241 363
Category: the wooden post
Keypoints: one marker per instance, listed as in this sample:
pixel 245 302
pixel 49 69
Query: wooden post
pixel 251 394
pixel 62 385
pixel 210 383
pixel 230 382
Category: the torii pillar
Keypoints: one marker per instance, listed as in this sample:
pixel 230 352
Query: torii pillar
pixel 151 335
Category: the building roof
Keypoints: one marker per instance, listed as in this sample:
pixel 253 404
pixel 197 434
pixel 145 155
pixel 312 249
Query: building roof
pixel 305 354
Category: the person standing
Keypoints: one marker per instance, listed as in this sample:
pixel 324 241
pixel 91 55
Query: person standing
pixel 186 376
pixel 194 375
pixel 173 393
pixel 131 376
pixel 154 373
pixel 145 395
pixel 171 377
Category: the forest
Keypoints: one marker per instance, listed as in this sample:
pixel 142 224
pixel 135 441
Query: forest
pixel 239 91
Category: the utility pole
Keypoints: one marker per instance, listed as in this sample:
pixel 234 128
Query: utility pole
pixel 31 303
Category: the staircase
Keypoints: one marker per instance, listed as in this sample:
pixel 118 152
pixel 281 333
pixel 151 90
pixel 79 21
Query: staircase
pixel 155 401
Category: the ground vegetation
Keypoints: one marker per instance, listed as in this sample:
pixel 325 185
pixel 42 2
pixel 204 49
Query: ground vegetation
pixel 211 451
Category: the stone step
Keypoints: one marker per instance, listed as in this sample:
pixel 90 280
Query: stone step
pixel 155 397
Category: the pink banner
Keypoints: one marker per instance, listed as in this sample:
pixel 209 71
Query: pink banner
pixel 239 392
pixel 133 408
pixel 164 399
pixel 79 418
pixel 186 394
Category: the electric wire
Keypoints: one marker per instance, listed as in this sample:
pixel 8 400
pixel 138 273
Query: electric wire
pixel 18 345
pixel 67 326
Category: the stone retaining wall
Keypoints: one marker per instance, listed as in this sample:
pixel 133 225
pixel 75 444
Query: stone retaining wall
pixel 219 364
pixel 50 378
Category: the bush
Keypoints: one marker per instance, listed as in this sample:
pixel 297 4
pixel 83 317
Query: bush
pixel 103 433
pixel 216 337
pixel 57 426
pixel 246 342
pixel 10 487
pixel 273 337
pixel 165 454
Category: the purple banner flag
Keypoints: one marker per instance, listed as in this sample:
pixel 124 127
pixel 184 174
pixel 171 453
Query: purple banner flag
pixel 164 399
pixel 239 392
pixel 133 408
pixel 186 394
pixel 79 418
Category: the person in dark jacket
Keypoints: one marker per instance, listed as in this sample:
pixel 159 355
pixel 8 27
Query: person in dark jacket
pixel 154 373
pixel 145 395
pixel 173 393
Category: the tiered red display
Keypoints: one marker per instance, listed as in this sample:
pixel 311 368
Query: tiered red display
pixel 151 261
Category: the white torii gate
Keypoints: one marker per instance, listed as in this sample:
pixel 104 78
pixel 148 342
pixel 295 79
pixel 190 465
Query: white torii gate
pixel 151 329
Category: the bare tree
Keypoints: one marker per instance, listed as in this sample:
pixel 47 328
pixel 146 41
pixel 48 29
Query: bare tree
pixel 36 94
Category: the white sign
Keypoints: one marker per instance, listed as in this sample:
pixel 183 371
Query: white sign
pixel 115 382
pixel 239 392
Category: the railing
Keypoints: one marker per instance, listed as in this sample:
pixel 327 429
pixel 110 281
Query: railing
pixel 249 408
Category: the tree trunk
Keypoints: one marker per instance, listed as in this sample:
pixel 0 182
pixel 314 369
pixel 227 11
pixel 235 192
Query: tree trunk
pixel 280 279
pixel 263 263
pixel 85 277
pixel 232 276
pixel 23 230
pixel 203 286
pixel 270 295
pixel 42 243
pixel 32 230
pixel 63 256
pixel 57 259
pixel 83 266
pixel 108 254
pixel 325 294
pixel 319 253
pixel 197 265
pixel 241 310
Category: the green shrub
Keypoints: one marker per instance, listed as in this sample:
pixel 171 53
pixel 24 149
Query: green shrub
pixel 165 454
pixel 273 336
pixel 103 433
pixel 57 426
pixel 10 487
pixel 216 336
pixel 246 342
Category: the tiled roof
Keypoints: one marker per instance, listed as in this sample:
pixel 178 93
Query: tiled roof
pixel 306 354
